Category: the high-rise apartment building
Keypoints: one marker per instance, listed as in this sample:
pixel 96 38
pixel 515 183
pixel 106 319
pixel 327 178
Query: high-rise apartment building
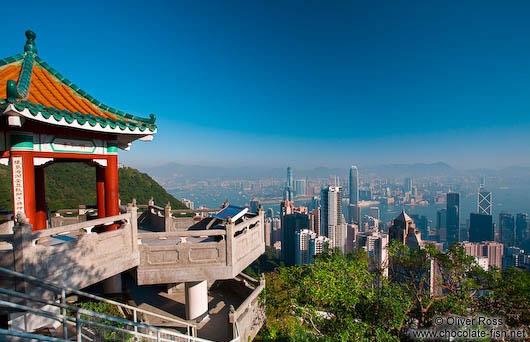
pixel 453 218
pixel 314 221
pixel 332 222
pixel 480 228
pixel 301 187
pixel 489 249
pixel 354 185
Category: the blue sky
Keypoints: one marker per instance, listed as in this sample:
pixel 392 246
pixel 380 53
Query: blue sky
pixel 304 83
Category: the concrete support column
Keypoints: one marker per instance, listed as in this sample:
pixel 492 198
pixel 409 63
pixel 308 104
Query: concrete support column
pixel 112 285
pixel 196 293
pixel 40 198
pixel 112 205
pixel 100 188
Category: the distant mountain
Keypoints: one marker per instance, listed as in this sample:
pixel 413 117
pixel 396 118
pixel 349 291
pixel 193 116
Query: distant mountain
pixel 71 184
pixel 174 173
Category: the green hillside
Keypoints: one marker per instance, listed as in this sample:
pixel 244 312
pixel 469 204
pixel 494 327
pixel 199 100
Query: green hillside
pixel 71 184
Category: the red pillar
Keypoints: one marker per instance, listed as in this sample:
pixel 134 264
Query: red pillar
pixel 28 178
pixel 40 197
pixel 100 188
pixel 112 206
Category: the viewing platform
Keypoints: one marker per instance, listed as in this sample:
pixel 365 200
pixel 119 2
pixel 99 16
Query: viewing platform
pixel 210 249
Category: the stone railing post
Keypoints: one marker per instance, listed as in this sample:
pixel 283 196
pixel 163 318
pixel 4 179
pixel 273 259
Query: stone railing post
pixel 21 245
pixel 81 213
pixel 133 210
pixel 229 242
pixel 167 217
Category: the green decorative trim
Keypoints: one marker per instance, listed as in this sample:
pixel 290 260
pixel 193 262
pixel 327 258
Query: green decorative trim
pixel 68 151
pixel 21 142
pixel 112 147
pixel 12 59
pixel 30 42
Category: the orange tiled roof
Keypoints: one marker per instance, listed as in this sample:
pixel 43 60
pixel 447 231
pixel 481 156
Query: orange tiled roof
pixel 43 90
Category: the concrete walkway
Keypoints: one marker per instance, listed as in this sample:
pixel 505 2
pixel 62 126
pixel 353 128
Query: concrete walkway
pixel 155 298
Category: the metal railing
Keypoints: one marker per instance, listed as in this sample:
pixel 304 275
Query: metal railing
pixel 99 326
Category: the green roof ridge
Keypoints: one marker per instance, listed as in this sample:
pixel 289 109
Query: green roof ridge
pixel 12 59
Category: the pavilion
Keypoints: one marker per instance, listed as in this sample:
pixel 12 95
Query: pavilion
pixel 44 119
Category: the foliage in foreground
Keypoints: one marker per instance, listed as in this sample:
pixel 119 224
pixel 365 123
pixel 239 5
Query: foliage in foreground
pixel 343 298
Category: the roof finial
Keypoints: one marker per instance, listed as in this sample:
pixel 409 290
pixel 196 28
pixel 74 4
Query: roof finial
pixel 30 43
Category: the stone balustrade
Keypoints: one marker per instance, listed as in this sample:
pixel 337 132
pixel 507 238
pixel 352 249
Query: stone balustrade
pixel 247 319
pixel 195 255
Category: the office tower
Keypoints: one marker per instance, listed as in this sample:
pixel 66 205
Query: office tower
pixel 513 257
pixel 354 185
pixel 521 228
pixel 507 229
pixel 422 224
pixel 408 185
pixel 332 223
pixel 480 227
pixel 484 201
pixel 315 203
pixel 441 225
pixel 404 230
pixel 453 218
pixel 351 234
pixel 314 221
pixel 291 224
pixel 301 252
pixel 270 212
pixel 300 187
pixel 254 205
pixel 288 194
pixel 354 214
pixel 317 245
pixel 375 212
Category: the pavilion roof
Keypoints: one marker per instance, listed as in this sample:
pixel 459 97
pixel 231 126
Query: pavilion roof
pixel 35 90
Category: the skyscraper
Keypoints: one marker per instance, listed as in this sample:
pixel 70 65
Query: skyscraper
pixel 441 225
pixel 484 201
pixel 300 187
pixel 507 229
pixel 521 228
pixel 354 185
pixel 453 217
pixel 332 223
pixel 480 228
pixel 288 194
pixel 291 224
pixel 408 185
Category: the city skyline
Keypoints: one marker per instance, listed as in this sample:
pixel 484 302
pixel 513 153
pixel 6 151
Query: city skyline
pixel 443 76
